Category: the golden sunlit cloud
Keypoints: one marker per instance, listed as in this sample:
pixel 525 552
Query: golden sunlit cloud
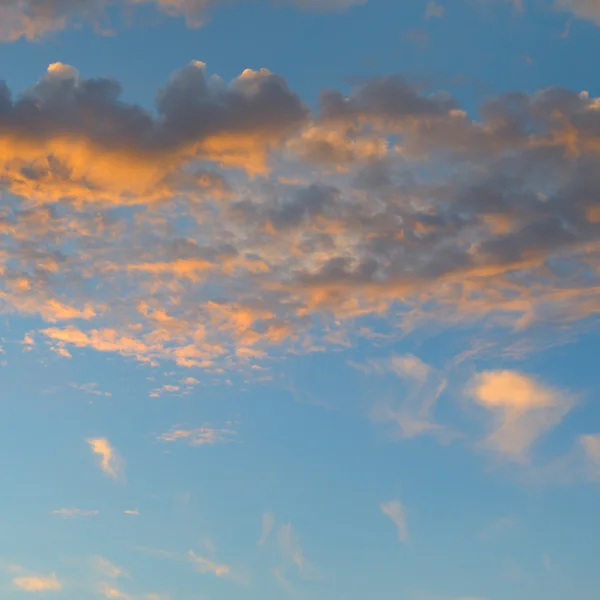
pixel 523 409
pixel 299 259
pixel 110 462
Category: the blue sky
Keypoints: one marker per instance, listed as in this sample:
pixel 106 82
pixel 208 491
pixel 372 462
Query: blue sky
pixel 299 299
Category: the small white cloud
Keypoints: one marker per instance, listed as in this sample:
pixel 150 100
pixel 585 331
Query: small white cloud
pixel 110 462
pixel 133 512
pixel 394 510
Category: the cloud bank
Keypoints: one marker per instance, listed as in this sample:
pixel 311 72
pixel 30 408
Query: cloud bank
pixel 232 220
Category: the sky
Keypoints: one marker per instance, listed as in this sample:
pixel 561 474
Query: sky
pixel 299 299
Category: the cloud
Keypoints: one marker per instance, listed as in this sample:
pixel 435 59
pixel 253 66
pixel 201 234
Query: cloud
pixel 89 388
pixel 110 462
pixel 33 19
pixel 584 9
pixel 394 510
pixel 200 436
pixel 434 10
pixel 134 512
pixel 591 447
pixel 413 414
pixel 108 569
pixel 112 592
pixel 204 565
pixel 38 583
pixel 268 522
pixel 232 223
pixel 290 548
pixel 523 409
pixel 70 513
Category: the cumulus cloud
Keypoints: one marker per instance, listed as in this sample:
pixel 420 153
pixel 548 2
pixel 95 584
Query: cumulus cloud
pixel 38 583
pixel 394 510
pixel 523 409
pixel 110 462
pixel 32 19
pixel 231 220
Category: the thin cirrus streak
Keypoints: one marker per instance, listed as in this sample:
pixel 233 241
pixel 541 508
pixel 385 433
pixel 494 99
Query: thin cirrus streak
pixel 274 234
pixel 200 436
pixel 70 513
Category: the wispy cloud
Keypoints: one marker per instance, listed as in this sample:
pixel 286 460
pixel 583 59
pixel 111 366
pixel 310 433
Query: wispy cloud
pixel 110 591
pixel 434 10
pixel 394 510
pixel 268 522
pixel 199 436
pixel 411 413
pixel 90 388
pixel 110 462
pixel 591 447
pixel 291 550
pixel 107 569
pixel 71 513
pixel 204 565
pixel 32 19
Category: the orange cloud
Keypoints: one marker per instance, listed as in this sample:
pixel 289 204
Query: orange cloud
pixel 523 408
pixel 38 583
pixel 110 462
